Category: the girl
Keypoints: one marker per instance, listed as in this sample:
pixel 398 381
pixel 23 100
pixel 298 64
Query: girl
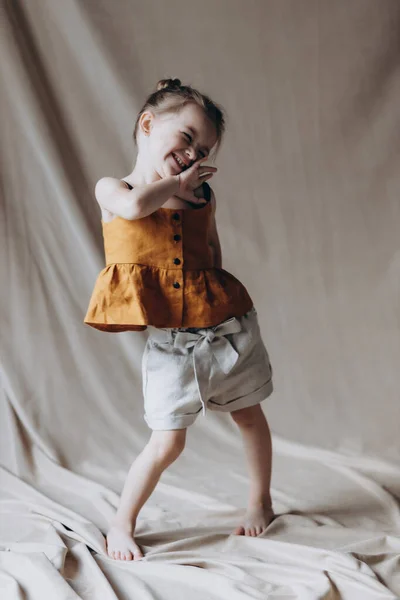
pixel 164 274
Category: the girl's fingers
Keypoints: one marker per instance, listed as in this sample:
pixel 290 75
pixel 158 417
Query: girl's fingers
pixel 202 169
pixel 199 165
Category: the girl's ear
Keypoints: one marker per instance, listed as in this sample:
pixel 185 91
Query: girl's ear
pixel 145 122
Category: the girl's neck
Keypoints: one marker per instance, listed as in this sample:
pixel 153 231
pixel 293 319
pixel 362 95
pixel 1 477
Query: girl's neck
pixel 143 172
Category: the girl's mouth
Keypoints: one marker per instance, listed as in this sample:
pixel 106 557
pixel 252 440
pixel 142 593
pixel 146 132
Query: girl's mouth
pixel 180 166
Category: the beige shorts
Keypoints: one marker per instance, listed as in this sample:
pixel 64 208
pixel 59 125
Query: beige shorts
pixel 187 371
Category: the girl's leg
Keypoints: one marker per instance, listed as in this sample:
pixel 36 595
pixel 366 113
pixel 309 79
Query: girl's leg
pixel 163 448
pixel 258 447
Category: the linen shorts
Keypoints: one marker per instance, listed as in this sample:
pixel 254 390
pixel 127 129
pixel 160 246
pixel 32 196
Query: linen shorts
pixel 186 371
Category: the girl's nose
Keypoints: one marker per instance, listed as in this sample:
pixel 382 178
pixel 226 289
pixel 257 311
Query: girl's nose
pixel 192 154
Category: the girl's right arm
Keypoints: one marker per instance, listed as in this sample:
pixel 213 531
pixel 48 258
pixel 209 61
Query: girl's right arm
pixel 113 195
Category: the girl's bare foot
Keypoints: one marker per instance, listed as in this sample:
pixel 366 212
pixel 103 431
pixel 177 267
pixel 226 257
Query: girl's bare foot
pixel 256 519
pixel 121 544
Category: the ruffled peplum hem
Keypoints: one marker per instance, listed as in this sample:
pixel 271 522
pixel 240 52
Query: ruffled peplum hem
pixel 130 297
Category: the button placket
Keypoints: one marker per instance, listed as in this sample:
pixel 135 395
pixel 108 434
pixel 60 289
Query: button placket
pixel 177 237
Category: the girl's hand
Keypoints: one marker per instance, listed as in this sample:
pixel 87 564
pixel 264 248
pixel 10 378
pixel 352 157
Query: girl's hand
pixel 193 178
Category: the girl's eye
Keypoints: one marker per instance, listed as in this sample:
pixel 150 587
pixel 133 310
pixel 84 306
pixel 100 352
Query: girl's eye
pixel 190 139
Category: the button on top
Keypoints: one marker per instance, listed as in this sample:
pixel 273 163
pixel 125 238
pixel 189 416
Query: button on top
pixel 176 285
pixel 176 216
pixel 177 237
pixel 177 261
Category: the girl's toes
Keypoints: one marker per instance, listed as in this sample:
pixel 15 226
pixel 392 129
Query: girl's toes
pixel 239 530
pixel 118 555
pixel 137 554
pixel 128 555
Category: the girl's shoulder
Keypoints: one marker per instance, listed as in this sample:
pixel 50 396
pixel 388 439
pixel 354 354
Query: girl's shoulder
pixel 111 195
pixel 107 185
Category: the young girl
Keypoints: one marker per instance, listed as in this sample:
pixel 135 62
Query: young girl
pixel 164 273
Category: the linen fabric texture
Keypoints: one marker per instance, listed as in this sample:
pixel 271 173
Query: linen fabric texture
pixel 160 271
pixel 187 371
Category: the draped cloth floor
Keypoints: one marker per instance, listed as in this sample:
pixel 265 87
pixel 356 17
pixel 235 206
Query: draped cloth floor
pixel 308 216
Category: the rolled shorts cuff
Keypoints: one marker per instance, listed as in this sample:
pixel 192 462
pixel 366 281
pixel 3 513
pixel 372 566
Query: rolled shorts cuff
pixel 184 421
pixel 170 422
pixel 251 399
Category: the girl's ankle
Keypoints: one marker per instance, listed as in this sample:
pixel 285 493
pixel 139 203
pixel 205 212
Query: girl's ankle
pixel 128 526
pixel 263 502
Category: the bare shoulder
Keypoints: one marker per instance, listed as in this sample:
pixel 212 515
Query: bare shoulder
pixel 115 199
pixel 106 186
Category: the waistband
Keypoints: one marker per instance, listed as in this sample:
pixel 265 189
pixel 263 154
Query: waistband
pixel 174 330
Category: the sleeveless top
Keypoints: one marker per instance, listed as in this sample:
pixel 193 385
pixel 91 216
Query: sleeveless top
pixel 160 272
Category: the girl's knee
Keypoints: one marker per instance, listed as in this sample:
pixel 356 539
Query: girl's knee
pixel 246 417
pixel 168 445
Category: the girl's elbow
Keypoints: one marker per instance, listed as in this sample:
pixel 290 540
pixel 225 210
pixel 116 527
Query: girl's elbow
pixel 133 210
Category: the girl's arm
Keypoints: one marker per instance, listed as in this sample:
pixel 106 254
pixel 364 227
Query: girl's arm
pixel 113 195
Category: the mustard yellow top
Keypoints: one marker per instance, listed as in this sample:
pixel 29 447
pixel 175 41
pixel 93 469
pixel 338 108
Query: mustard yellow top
pixel 160 272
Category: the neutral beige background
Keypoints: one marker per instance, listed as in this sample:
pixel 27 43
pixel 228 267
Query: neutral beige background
pixel 309 219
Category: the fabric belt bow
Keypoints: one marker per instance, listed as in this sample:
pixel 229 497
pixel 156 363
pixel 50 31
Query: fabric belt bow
pixel 209 342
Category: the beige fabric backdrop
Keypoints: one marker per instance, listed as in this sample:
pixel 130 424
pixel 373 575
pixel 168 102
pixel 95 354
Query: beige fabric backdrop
pixel 309 219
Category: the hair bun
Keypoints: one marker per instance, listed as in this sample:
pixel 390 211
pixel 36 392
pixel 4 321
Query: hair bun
pixel 168 83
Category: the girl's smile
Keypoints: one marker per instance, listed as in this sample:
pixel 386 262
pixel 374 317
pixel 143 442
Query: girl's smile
pixel 180 165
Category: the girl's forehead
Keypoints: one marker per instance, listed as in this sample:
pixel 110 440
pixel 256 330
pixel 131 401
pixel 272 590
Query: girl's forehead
pixel 198 124
pixel 192 114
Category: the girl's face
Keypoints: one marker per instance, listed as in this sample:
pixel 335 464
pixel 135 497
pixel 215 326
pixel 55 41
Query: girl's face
pixel 185 136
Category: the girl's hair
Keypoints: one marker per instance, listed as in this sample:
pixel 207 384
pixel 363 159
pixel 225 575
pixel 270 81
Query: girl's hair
pixel 170 97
